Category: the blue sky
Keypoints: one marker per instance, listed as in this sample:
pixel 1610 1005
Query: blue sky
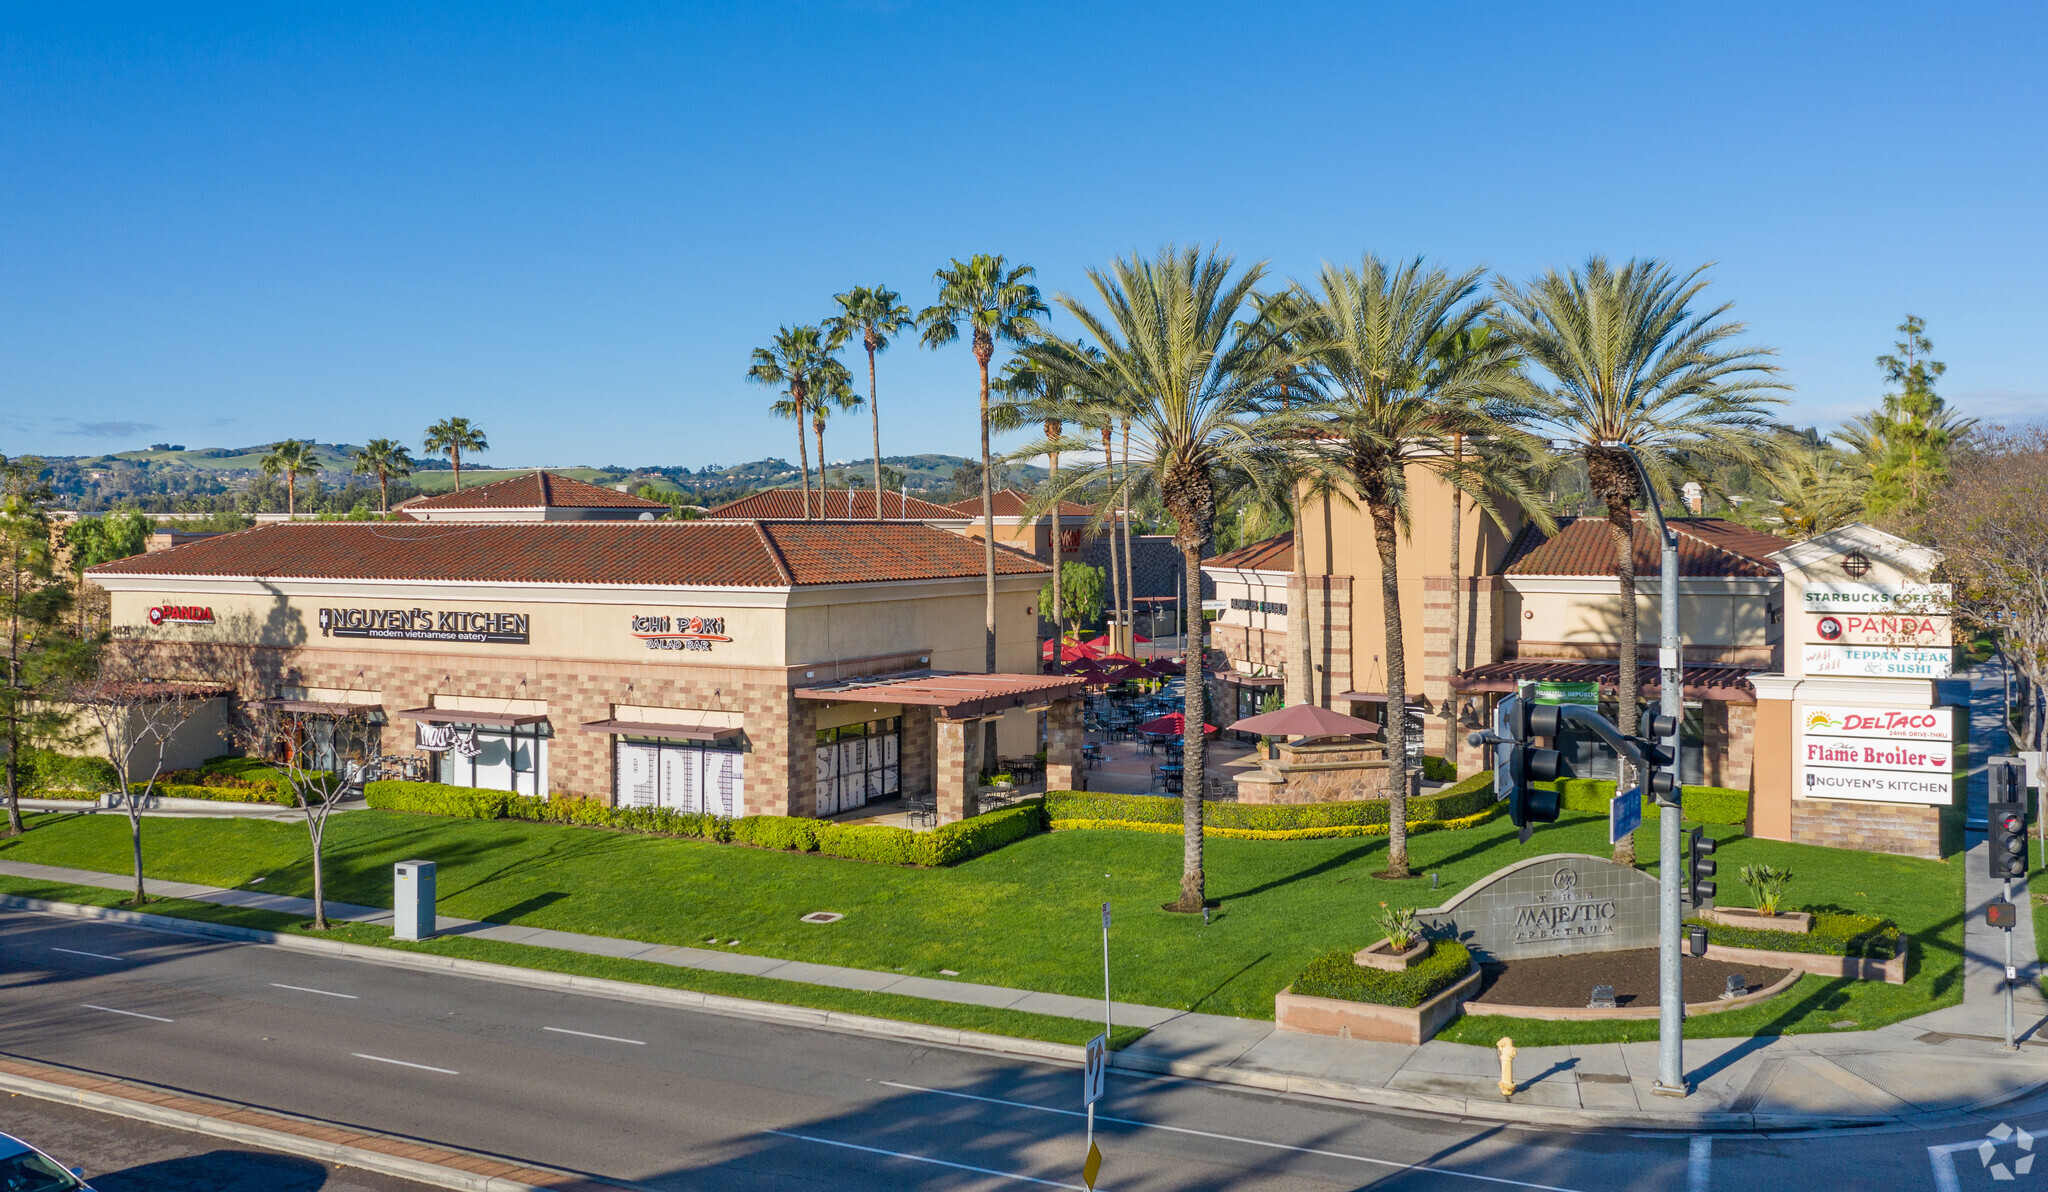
pixel 227 224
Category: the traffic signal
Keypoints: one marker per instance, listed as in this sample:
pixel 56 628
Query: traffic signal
pixel 1660 775
pixel 2001 914
pixel 1526 804
pixel 1699 848
pixel 2008 838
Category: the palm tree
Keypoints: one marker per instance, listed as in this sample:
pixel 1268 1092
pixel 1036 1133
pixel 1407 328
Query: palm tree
pixel 997 305
pixel 387 460
pixel 794 361
pixel 877 313
pixel 291 459
pixel 453 436
pixel 1187 354
pixel 1031 394
pixel 1392 401
pixel 1633 374
pixel 1813 490
pixel 831 387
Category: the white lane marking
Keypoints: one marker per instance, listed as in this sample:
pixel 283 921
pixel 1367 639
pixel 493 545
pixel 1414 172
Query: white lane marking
pixel 1277 1146
pixel 1699 1163
pixel 94 955
pixel 875 1150
pixel 1942 1159
pixel 406 1064
pixel 322 992
pixel 129 1013
pixel 562 1030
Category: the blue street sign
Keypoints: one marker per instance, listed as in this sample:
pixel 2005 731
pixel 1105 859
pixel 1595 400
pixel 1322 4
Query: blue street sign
pixel 1624 814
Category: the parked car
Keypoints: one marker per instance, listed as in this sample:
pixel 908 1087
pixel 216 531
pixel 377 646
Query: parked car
pixel 23 1168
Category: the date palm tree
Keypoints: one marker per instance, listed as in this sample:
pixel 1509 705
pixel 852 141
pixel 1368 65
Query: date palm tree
pixel 1186 352
pixel 1032 394
pixel 876 314
pixel 831 388
pixel 1630 369
pixel 997 304
pixel 453 436
pixel 794 360
pixel 1392 400
pixel 387 460
pixel 291 459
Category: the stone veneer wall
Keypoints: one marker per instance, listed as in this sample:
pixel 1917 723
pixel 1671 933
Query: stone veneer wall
pixel 1329 611
pixel 1730 744
pixel 1900 828
pixel 1248 648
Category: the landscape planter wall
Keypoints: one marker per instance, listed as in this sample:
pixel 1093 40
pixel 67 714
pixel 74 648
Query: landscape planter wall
pixel 1649 1010
pixel 1381 955
pixel 1370 1021
pixel 1795 922
pixel 1891 972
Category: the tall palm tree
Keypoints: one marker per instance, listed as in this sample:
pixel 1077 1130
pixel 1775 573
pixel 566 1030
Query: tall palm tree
pixel 1391 404
pixel 831 388
pixel 997 305
pixel 387 460
pixel 1814 489
pixel 877 314
pixel 453 436
pixel 1186 352
pixel 1032 394
pixel 291 459
pixel 794 361
pixel 1630 368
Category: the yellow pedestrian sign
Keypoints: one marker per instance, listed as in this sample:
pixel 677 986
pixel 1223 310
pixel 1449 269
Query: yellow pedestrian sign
pixel 1092 1166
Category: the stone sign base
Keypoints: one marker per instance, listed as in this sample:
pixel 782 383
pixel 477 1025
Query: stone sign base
pixel 1650 1010
pixel 1793 922
pixel 1369 1021
pixel 1891 972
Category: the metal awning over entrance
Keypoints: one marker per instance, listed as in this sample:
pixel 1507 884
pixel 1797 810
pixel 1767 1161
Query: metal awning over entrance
pixel 1237 680
pixel 316 707
pixel 952 696
pixel 487 719
pixel 1724 684
pixel 663 732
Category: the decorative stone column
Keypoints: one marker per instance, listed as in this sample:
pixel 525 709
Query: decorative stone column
pixel 956 763
pixel 1063 737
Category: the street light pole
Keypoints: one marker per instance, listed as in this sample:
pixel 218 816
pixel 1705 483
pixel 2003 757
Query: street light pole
pixel 1670 846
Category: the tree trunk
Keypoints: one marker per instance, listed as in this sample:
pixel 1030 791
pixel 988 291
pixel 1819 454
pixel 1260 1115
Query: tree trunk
pixel 1130 617
pixel 824 505
pixel 455 457
pixel 134 839
pixel 1384 529
pixel 1621 529
pixel 1059 623
pixel 875 414
pixel 1457 662
pixel 1116 599
pixel 383 493
pixel 14 824
pixel 1300 646
pixel 1193 889
pixel 319 886
pixel 803 456
pixel 988 555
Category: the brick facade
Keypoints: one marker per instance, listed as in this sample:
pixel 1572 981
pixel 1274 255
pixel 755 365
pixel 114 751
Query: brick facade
pixel 1249 649
pixel 1905 829
pixel 1329 610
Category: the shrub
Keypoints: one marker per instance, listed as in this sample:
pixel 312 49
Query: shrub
pixel 1767 883
pixel 983 833
pixel 1438 769
pixel 665 821
pixel 253 793
pixel 1338 976
pixel 51 772
pixel 1700 804
pixel 784 832
pixel 871 842
pixel 434 798
pixel 1467 798
pixel 1833 934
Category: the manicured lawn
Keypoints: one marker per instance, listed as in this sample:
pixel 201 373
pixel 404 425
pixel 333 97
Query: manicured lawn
pixel 989 1020
pixel 1026 916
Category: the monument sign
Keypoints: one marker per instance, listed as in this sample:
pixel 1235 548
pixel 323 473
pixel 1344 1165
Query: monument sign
pixel 1550 906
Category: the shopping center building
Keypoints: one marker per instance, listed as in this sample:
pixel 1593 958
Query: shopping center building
pixel 739 667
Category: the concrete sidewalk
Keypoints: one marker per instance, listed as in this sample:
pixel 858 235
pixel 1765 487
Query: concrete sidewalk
pixel 1941 1064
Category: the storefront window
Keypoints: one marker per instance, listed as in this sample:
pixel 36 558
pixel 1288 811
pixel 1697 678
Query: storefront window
pixel 858 763
pixel 500 759
pixel 707 777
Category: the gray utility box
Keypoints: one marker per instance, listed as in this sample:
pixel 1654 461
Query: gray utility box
pixel 412 915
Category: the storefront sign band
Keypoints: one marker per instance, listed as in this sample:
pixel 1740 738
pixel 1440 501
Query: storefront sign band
pixel 426 625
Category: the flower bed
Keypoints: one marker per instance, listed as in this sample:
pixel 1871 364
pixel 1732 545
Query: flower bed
pixel 1465 805
pixel 855 842
pixel 1337 976
pixel 1336 997
pixel 1863 937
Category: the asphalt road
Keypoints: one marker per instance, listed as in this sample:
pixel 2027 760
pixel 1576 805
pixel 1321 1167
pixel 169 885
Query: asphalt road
pixel 679 1099
pixel 120 1155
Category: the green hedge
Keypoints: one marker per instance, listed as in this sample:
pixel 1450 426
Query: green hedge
pixel 1438 769
pixel 279 795
pixel 1700 804
pixel 857 842
pixel 1469 797
pixel 1338 976
pixel 1832 935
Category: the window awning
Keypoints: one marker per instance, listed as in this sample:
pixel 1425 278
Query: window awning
pixel 669 732
pixel 952 696
pixel 487 719
pixel 1724 684
pixel 315 707
pixel 1237 680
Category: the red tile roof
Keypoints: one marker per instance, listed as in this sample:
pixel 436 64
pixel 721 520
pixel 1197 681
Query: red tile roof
pixel 783 503
pixel 1010 502
pixel 535 490
pixel 1708 547
pixel 715 554
pixel 1267 554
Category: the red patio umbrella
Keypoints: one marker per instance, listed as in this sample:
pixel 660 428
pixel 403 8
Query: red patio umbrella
pixel 1102 642
pixel 1172 724
pixel 1118 660
pixel 1069 652
pixel 1127 673
pixel 1304 720
pixel 1166 666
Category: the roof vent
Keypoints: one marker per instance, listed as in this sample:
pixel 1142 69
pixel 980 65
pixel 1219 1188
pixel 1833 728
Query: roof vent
pixel 1856 563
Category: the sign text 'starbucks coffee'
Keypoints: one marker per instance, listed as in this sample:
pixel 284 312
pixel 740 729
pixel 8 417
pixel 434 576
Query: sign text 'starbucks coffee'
pixel 1550 906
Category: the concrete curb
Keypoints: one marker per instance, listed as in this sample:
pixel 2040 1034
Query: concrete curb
pixel 709 1003
pixel 415 1170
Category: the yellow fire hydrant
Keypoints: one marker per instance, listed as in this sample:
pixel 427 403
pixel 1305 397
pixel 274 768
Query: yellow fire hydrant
pixel 1506 1047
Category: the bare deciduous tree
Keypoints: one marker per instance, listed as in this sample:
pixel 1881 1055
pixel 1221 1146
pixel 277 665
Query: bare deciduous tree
pixel 297 742
pixel 1992 528
pixel 137 714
